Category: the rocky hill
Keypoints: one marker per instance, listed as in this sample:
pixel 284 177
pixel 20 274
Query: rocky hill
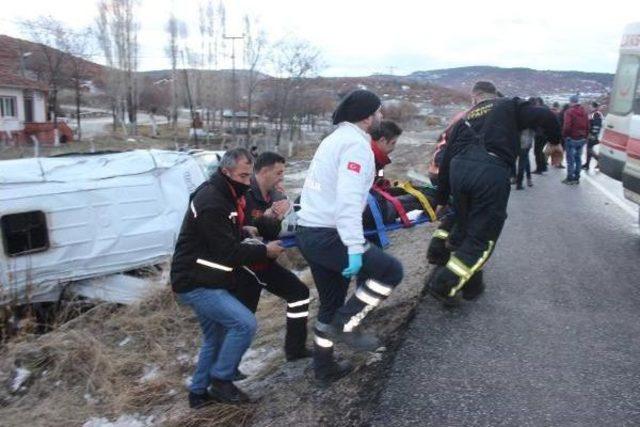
pixel 518 81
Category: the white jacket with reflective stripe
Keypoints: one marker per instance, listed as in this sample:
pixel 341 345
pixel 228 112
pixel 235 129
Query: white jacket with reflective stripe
pixel 337 184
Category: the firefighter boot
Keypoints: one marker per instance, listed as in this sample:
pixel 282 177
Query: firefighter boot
pixel 439 285
pixel 438 253
pixel 474 287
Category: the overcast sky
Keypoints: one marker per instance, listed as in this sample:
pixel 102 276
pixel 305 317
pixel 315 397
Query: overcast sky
pixel 359 38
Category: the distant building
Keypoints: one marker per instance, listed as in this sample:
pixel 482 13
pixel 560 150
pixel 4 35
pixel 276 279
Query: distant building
pixel 23 111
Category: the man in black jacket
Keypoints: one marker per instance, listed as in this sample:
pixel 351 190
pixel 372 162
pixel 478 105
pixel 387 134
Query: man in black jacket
pixel 475 171
pixel 595 124
pixel 266 202
pixel 208 264
pixel 539 141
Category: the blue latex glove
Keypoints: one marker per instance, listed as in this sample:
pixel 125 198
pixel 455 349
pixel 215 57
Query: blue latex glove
pixel 355 264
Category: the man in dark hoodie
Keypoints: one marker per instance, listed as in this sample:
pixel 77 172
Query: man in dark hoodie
pixel 208 265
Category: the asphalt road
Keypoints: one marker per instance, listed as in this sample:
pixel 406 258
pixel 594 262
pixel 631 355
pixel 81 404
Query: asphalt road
pixel 555 339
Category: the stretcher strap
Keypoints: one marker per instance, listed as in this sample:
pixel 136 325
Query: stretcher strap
pixel 396 204
pixel 377 218
pixel 406 186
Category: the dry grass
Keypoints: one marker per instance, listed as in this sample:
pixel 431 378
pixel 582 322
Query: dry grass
pixel 217 415
pixel 87 357
pixel 94 365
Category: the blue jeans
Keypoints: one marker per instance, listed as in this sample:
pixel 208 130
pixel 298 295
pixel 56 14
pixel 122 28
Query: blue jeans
pixel 227 330
pixel 573 148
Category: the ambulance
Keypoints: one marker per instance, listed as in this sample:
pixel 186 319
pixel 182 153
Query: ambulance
pixel 620 148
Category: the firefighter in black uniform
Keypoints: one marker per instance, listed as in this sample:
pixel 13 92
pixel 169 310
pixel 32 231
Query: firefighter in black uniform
pixel 475 171
pixel 263 198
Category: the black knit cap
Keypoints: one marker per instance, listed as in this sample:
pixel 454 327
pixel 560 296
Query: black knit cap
pixel 356 106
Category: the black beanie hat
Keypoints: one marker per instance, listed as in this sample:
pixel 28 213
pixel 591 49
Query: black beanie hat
pixel 356 106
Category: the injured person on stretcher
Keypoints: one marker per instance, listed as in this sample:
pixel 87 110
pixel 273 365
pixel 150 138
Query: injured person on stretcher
pixel 401 203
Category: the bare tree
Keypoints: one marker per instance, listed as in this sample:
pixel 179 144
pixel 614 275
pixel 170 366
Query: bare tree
pixel 78 45
pixel 117 33
pixel 221 44
pixel 255 43
pixel 312 103
pixel 50 35
pixel 156 98
pixel 400 111
pixel 212 20
pixel 175 28
pixel 293 61
pixel 113 82
pixel 210 34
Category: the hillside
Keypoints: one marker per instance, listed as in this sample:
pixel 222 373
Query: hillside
pixel 34 61
pixel 518 81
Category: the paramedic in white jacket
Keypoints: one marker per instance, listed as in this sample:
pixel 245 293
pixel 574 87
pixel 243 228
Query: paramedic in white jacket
pixel 331 238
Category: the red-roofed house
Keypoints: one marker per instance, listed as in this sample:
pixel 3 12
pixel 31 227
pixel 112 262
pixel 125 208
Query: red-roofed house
pixel 23 111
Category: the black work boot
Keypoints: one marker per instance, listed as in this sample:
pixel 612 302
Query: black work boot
pixel 358 340
pixel 355 339
pixel 326 368
pixel 227 392
pixel 437 253
pixel 295 339
pixel 440 283
pixel 239 375
pixel 474 287
pixel 198 400
pixel 302 353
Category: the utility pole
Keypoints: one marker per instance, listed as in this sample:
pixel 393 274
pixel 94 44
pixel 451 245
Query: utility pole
pixel 233 83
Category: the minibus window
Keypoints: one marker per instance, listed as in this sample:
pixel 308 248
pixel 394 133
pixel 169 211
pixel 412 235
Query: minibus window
pixel 24 233
pixel 626 97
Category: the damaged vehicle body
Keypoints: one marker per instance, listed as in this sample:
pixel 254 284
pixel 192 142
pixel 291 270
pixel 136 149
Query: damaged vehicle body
pixel 69 223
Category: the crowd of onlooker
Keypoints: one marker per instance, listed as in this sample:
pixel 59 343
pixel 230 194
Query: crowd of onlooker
pixel 580 128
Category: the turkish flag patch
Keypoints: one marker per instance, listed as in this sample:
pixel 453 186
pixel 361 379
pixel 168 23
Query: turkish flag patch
pixel 353 166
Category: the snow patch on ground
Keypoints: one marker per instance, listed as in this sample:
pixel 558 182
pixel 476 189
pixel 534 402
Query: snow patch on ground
pixel 255 359
pixel 90 399
pixel 124 420
pixel 22 375
pixel 150 373
pixel 184 359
